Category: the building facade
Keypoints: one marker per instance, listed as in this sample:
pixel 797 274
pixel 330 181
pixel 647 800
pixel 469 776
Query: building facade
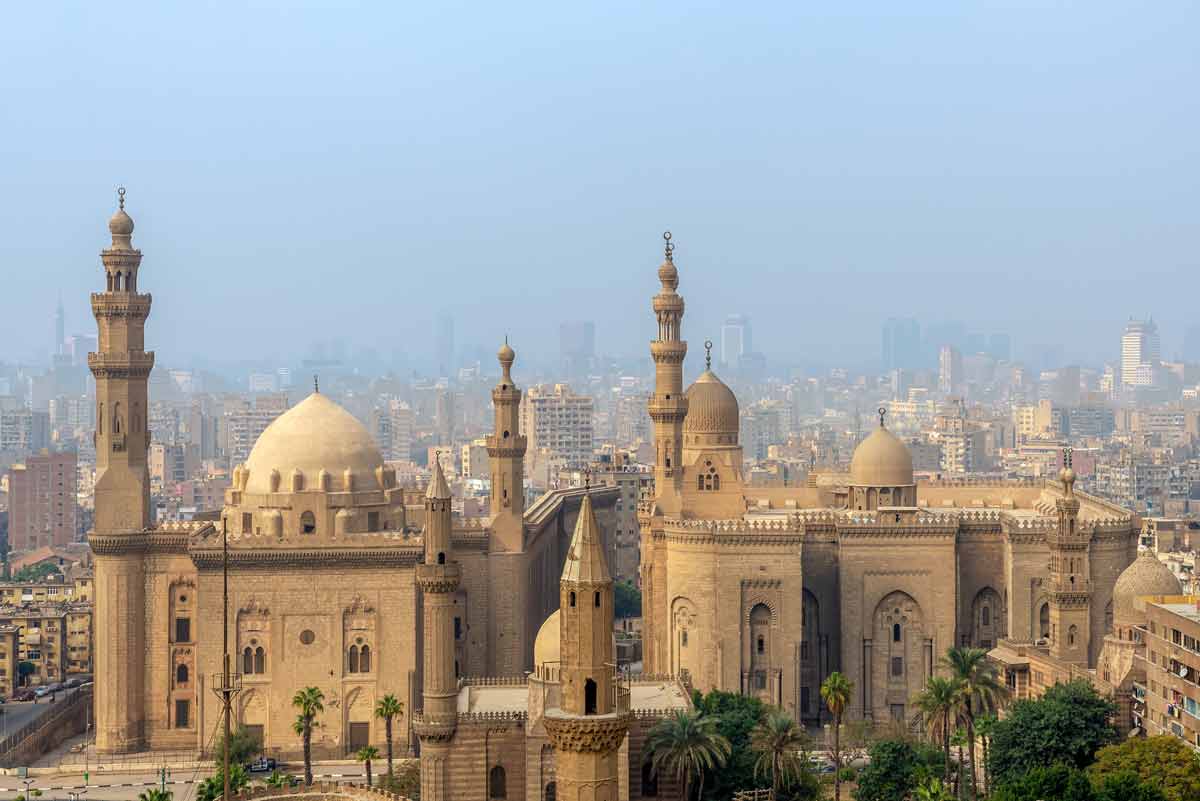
pixel 43 506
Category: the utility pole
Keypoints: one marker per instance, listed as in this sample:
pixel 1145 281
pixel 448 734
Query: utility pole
pixel 231 682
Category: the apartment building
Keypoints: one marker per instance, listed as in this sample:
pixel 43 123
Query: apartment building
pixel 559 422
pixel 42 501
pixel 1169 700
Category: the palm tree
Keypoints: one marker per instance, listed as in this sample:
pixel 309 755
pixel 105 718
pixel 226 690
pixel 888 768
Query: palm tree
pixel 309 702
pixel 778 740
pixel 959 739
pixel 687 745
pixel 835 691
pixel 387 709
pixel 932 789
pixel 984 725
pixel 157 794
pixel 365 755
pixel 982 691
pixel 940 703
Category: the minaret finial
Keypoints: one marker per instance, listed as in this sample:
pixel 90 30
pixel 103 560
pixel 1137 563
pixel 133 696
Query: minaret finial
pixel 121 197
pixel 668 246
pixel 587 480
pixel 882 410
pixel 708 354
pixel 316 384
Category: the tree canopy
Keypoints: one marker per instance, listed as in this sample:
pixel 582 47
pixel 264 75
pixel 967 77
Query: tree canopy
pixel 627 600
pixel 1067 725
pixel 896 768
pixel 1164 762
pixel 738 715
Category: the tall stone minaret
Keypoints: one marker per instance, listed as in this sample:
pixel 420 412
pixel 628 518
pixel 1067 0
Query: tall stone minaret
pixel 1070 574
pixel 438 577
pixel 122 368
pixel 668 407
pixel 589 726
pixel 506 452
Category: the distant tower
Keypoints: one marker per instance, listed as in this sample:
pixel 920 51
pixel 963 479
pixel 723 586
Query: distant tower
pixel 443 345
pixel 121 368
pixel 668 406
pixel 506 451
pixel 1070 587
pixel 438 577
pixel 587 730
pixel 60 328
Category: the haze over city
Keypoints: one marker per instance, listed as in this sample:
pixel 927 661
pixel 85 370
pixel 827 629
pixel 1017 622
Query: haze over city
pixel 305 171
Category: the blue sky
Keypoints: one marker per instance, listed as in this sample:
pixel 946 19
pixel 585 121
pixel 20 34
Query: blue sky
pixel 304 171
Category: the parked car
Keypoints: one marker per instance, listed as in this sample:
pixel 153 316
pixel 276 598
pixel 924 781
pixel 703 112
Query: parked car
pixel 24 694
pixel 73 683
pixel 42 692
pixel 261 765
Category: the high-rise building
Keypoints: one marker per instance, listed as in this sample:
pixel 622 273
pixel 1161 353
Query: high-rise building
pixel 60 329
pixel 577 346
pixel 42 501
pixel 244 426
pixel 736 340
pixel 443 344
pixel 392 426
pixel 901 344
pixel 950 370
pixel 559 422
pixel 1140 353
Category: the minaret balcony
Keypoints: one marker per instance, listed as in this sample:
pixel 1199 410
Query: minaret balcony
pixel 439 578
pixel 433 728
pixel 129 364
pixel 586 733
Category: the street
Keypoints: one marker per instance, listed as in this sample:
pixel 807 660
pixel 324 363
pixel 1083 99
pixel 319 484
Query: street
pixel 15 714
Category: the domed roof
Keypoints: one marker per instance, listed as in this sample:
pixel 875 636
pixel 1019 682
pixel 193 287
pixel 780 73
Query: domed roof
pixel 314 435
pixel 881 460
pixel 1146 576
pixel 121 224
pixel 712 407
pixel 546 646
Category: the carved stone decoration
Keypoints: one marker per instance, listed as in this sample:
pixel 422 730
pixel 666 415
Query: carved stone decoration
pixel 586 733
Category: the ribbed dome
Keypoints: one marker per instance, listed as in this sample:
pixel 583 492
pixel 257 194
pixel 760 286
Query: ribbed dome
pixel 1146 576
pixel 313 436
pixel 881 460
pixel 712 407
pixel 546 646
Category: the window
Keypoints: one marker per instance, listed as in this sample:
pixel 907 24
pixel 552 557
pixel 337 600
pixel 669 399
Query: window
pixel 895 632
pixel 897 666
pixel 458 628
pixel 183 629
pixel 441 557
pixel 683 638
pixel 247 661
pixel 307 637
pixel 985 616
pixel 247 521
pixel 761 645
pixel 260 660
pixel 308 523
pixel 182 711
pixel 1071 636
pixel 597 603
pixel 551 792
pixel 1044 621
pixel 372 521
pixel 364 659
pixel 181 674
pixel 760 680
pixel 589 697
pixel 805 698
pixel 353 660
pixel 572 599
pixel 497 783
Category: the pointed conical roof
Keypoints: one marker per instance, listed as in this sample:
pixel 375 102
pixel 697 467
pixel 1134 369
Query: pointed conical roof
pixel 585 558
pixel 438 488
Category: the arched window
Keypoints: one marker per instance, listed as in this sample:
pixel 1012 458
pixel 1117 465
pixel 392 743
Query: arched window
pixel 441 558
pixel 116 422
pixel 589 697
pixel 260 660
pixel 761 645
pixel 1071 636
pixel 572 599
pixel 716 483
pixel 551 792
pixel 985 616
pixel 364 659
pixel 497 783
pixel 700 482
pixel 247 660
pixel 308 523
pixel 597 602
pixel 895 632
pixel 1044 621
pixel 181 674
pixel 353 659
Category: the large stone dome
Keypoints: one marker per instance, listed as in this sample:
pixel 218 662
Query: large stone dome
pixel 313 436
pixel 1146 576
pixel 712 407
pixel 881 460
pixel 546 646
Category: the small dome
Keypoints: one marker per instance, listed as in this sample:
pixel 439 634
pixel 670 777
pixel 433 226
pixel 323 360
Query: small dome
pixel 1146 576
pixel 316 437
pixel 505 354
pixel 881 460
pixel 120 224
pixel 546 645
pixel 712 407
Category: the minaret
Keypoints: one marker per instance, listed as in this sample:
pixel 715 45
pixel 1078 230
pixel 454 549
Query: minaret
pixel 506 452
pixel 668 406
pixel 590 724
pixel 121 368
pixel 438 577
pixel 1070 585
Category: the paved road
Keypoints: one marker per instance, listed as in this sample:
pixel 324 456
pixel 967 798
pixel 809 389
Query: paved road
pixel 127 786
pixel 15 714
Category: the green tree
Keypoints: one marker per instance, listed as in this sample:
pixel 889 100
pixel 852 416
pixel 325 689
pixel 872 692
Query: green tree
pixel 365 755
pixel 278 778
pixel 1047 783
pixel 1127 786
pixel 780 743
pixel 940 704
pixel 156 794
pixel 688 746
pixel 242 745
pixel 406 781
pixel 1163 761
pixel 1068 724
pixel 387 709
pixel 981 689
pixel 310 702
pixel 627 600
pixel 932 789
pixel 736 717
pixel 895 768
pixel 835 692
pixel 38 572
pixel 213 787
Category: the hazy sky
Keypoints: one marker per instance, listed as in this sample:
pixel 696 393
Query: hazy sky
pixel 304 171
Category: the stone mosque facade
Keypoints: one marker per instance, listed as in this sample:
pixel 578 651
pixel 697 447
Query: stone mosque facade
pixel 324 557
pixel 765 591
